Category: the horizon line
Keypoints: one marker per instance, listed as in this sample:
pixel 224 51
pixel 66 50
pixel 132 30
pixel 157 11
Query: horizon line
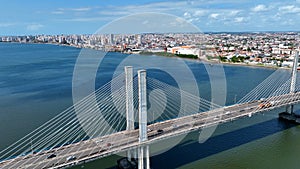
pixel 205 32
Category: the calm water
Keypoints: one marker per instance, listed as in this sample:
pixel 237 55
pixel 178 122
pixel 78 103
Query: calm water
pixel 36 84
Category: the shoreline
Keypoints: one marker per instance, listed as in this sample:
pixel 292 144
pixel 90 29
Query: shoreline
pixel 175 57
pixel 223 63
pixel 248 65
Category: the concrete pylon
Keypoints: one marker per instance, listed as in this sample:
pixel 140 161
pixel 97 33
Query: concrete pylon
pixel 142 106
pixel 129 105
pixel 294 73
pixel 129 98
pixel 143 151
pixel 289 108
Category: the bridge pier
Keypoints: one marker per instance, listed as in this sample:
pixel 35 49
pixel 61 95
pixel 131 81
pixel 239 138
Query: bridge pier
pixel 143 151
pixel 289 111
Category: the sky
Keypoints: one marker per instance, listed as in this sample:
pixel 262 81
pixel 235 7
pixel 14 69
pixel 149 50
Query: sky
pixel 56 17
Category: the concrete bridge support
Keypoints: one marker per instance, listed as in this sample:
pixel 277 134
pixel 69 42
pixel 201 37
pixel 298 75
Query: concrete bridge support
pixel 289 112
pixel 129 106
pixel 293 80
pixel 143 152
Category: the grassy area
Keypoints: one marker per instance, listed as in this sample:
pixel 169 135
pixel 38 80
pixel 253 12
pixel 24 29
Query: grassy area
pixel 169 54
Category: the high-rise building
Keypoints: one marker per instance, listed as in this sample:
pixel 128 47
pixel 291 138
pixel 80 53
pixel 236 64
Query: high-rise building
pixel 139 40
pixel 111 39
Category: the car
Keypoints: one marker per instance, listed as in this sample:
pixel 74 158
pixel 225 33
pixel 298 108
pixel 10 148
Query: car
pixel 228 112
pixel 99 141
pixel 262 99
pixel 51 156
pixel 71 158
pixel 149 130
pixel 160 131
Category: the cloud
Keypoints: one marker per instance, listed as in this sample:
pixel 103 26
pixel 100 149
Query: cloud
pixel 80 9
pixel 57 12
pixel 234 12
pixel 289 9
pixel 200 13
pixel 87 19
pixel 187 15
pixel 2 25
pixel 239 20
pixel 214 15
pixel 194 16
pixel 114 13
pixel 34 27
pixel 63 10
pixel 260 8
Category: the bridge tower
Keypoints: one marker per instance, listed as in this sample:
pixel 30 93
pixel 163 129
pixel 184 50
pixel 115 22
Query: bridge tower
pixel 289 112
pixel 129 106
pixel 290 108
pixel 143 151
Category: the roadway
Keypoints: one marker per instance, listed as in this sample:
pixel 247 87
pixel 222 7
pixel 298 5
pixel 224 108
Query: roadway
pixel 118 142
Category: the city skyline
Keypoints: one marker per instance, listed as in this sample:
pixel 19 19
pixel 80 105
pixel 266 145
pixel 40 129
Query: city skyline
pixel 81 17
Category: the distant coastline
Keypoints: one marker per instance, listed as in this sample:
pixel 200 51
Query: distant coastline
pixel 165 54
pixel 213 61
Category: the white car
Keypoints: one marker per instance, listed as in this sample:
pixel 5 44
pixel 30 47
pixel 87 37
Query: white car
pixel 70 158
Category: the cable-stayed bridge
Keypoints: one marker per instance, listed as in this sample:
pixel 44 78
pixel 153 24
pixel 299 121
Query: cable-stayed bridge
pixel 121 120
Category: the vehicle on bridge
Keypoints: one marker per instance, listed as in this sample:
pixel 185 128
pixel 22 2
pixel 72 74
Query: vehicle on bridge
pixel 266 105
pixel 70 158
pixel 159 131
pixel 51 156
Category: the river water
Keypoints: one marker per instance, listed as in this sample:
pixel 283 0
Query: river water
pixel 36 84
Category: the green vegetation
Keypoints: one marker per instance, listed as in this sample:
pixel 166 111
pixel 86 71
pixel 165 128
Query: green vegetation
pixel 157 53
pixel 169 54
pixel 187 56
pixel 234 59
pixel 238 59
pixel 209 57
pixel 223 59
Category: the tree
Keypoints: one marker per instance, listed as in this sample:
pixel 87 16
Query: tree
pixel 234 59
pixel 223 59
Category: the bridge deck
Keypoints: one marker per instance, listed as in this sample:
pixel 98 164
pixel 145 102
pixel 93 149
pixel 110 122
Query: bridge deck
pixel 97 148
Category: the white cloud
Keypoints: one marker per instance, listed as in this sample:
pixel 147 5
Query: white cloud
pixel 2 25
pixel 80 9
pixel 62 10
pixel 289 9
pixel 200 13
pixel 87 19
pixel 57 12
pixel 34 27
pixel 214 15
pixel 187 15
pixel 239 20
pixel 114 13
pixel 194 16
pixel 260 8
pixel 234 12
